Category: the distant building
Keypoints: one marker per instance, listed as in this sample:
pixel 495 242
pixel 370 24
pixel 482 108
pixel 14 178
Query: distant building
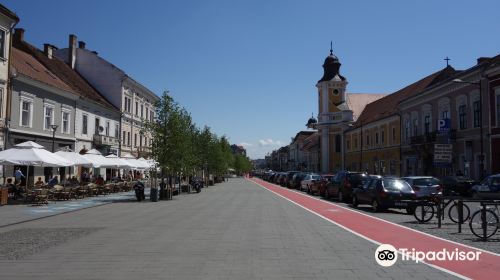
pixel 296 158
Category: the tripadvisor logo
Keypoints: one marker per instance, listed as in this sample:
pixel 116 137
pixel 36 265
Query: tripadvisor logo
pixel 386 255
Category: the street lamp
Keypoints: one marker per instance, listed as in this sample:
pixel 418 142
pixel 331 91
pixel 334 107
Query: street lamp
pixel 481 157
pixel 54 128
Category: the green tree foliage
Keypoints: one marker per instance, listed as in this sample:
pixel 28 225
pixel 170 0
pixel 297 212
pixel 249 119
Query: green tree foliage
pixel 180 147
pixel 242 164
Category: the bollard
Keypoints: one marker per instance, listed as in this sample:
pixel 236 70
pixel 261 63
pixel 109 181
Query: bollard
pixel 483 221
pixel 439 213
pixel 460 209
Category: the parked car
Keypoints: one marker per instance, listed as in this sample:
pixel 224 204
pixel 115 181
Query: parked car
pixel 281 178
pixel 271 177
pixel 321 185
pixel 424 186
pixel 382 193
pixel 289 177
pixel 296 179
pixel 343 183
pixel 308 183
pixel 459 185
pixel 489 188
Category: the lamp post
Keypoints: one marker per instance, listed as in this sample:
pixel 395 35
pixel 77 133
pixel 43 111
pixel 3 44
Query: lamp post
pixel 481 157
pixel 54 128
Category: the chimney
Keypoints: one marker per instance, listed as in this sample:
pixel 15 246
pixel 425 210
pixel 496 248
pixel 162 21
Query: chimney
pixel 81 44
pixel 47 50
pixel 482 59
pixel 72 51
pixel 19 35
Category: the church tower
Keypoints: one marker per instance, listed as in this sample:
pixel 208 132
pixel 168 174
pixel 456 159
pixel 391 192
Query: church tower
pixel 334 114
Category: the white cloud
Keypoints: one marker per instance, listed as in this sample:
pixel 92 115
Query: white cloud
pixel 245 144
pixel 269 142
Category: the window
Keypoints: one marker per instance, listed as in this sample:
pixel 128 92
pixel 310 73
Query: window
pixel 124 137
pixel 477 114
pixel 415 127
pixel 48 117
pixel 147 112
pixel 142 111
pixel 462 116
pixel 107 128
pixel 445 115
pixel 145 141
pixel 407 130
pixel 348 143
pixel 117 131
pixel 356 142
pixel 85 120
pixel 140 140
pixel 382 136
pixel 137 108
pixel 2 43
pixel 129 106
pixel 152 115
pixel 376 138
pixel 498 109
pixel 97 129
pixel 128 138
pixel 337 143
pixel 65 122
pixel 393 134
pixel 26 108
pixel 135 140
pixel 367 140
pixel 427 124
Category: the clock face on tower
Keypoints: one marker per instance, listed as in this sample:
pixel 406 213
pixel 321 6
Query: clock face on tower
pixel 335 92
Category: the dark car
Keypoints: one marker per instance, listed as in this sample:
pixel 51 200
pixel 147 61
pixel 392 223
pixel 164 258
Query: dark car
pixel 281 178
pixel 342 185
pixel 383 193
pixel 271 177
pixel 289 177
pixel 459 185
pixel 296 179
pixel 489 188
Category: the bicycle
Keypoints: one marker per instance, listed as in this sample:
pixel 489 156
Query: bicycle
pixel 490 227
pixel 425 212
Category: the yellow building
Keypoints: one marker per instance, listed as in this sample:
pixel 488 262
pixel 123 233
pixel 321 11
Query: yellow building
pixel 373 143
pixel 337 111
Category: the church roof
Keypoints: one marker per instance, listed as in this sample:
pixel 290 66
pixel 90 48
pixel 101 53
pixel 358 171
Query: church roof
pixel 387 106
pixel 358 101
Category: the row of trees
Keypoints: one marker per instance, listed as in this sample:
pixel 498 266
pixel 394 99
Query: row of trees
pixel 183 149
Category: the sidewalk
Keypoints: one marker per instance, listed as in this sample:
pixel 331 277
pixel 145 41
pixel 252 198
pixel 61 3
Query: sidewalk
pixel 14 214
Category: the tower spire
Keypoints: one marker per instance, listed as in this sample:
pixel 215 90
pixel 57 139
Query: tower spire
pixel 331 48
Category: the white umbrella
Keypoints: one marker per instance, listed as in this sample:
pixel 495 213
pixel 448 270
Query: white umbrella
pixel 134 163
pixel 74 157
pixel 32 154
pixel 144 162
pixel 97 160
pixel 118 162
pixel 29 154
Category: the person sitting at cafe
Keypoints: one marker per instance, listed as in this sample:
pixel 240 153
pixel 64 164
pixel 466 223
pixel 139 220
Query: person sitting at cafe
pixel 13 189
pixel 99 181
pixel 73 181
pixel 53 181
pixel 39 183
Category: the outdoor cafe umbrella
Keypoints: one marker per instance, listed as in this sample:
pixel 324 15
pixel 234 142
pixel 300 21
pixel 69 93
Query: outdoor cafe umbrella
pixel 118 162
pixel 29 154
pixel 75 158
pixel 134 163
pixel 147 163
pixel 97 160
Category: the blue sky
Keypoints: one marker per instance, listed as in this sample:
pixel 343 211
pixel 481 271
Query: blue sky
pixel 248 69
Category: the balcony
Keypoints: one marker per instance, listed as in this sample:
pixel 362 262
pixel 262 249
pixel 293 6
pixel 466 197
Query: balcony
pixel 103 140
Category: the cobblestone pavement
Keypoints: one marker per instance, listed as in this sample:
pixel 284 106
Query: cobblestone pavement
pixel 234 230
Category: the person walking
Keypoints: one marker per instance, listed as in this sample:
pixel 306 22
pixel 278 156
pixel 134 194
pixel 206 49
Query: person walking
pixel 19 175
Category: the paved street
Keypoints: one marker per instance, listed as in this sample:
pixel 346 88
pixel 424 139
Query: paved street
pixel 234 230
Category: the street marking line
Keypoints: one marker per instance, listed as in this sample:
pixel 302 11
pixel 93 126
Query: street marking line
pixel 482 269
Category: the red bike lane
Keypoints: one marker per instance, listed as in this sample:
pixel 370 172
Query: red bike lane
pixel 383 232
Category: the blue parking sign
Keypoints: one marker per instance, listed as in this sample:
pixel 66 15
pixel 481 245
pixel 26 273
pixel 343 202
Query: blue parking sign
pixel 443 125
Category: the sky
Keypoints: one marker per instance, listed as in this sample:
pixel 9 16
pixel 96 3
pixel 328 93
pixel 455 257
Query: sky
pixel 248 69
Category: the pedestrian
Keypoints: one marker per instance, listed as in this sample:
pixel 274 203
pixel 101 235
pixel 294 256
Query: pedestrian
pixel 19 175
